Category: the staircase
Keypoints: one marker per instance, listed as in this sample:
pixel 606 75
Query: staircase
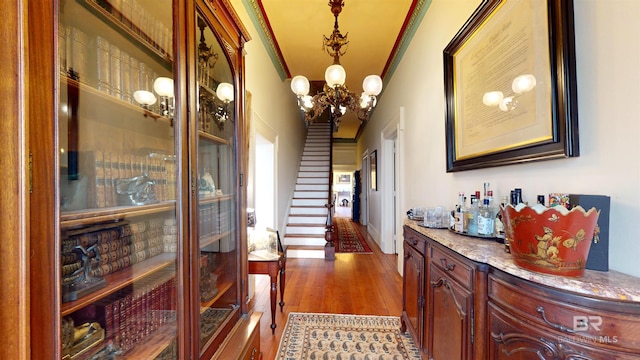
pixel 305 230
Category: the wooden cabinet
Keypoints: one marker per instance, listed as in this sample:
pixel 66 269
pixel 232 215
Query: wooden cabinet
pixel 528 321
pixel 476 311
pixel 246 346
pixel 413 291
pixel 440 292
pixel 137 211
pixel 455 299
pixel 450 307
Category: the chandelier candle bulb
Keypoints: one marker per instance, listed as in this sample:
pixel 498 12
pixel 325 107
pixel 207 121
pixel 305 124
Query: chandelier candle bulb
pixel 300 85
pixel 225 92
pixel 523 83
pixel 335 75
pixel 372 85
pixel 144 98
pixel 163 86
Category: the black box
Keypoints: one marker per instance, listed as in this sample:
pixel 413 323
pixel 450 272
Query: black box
pixel 598 258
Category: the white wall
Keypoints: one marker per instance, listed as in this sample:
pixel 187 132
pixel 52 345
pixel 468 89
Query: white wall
pixel 273 105
pixel 607 59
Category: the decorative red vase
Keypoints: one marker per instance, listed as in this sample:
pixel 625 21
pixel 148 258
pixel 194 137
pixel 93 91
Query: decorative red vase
pixel 550 240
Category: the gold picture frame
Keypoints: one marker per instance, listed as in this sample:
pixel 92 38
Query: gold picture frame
pixel 510 85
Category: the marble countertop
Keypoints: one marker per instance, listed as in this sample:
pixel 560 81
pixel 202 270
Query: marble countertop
pixel 610 284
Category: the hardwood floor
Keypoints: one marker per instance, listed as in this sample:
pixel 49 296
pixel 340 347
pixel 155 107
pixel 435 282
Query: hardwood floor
pixel 366 284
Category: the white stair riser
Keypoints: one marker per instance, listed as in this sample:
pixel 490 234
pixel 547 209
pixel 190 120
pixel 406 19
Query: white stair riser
pixel 313 174
pixel 315 153
pixel 308 220
pixel 305 230
pixel 311 195
pixel 315 158
pixel 309 202
pixel 322 169
pixel 324 181
pixel 319 163
pixel 316 187
pixel 317 146
pixel 309 211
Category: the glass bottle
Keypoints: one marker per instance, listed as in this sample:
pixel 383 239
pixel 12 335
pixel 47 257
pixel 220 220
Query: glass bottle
pixel 486 219
pixel 499 225
pixel 458 225
pixel 472 215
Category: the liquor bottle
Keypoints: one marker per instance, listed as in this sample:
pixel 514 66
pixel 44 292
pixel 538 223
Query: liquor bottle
pixel 472 215
pixel 458 225
pixel 487 189
pixel 486 220
pixel 499 225
pixel 518 193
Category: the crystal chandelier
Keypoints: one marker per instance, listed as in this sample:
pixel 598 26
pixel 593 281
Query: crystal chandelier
pixel 335 94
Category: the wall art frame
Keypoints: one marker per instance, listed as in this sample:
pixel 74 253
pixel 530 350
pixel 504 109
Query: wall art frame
pixel 502 40
pixel 344 179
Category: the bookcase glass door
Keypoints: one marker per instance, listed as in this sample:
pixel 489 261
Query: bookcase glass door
pixel 217 192
pixel 117 179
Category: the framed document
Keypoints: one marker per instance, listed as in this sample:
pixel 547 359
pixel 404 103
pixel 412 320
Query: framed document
pixel 510 85
pixel 344 179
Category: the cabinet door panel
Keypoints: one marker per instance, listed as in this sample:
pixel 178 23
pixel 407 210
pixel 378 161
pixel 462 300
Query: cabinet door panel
pixel 450 307
pixel 117 179
pixel 413 287
pixel 217 232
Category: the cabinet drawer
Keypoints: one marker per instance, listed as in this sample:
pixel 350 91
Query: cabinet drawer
pixel 605 324
pixel 416 240
pixel 452 264
pixel 252 351
pixel 510 338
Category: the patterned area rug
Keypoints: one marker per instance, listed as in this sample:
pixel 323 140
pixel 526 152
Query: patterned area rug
pixel 309 336
pixel 349 238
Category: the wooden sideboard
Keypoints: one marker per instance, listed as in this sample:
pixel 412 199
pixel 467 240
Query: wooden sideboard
pixel 457 305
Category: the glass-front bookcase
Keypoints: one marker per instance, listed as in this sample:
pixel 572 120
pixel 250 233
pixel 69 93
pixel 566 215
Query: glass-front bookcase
pixel 217 198
pixel 135 192
pixel 117 180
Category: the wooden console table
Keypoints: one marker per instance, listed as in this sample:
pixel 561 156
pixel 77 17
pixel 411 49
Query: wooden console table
pixel 273 268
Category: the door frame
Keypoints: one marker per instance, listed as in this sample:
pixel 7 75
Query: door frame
pixel 366 185
pixel 391 219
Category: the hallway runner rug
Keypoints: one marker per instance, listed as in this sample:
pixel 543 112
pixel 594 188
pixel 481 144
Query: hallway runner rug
pixel 308 336
pixel 349 239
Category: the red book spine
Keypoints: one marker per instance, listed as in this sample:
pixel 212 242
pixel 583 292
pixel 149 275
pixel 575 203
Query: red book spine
pixel 125 322
pixel 108 321
pixel 140 333
pixel 154 308
pixel 117 322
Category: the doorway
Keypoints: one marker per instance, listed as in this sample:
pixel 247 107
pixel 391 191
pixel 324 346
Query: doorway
pixel 391 224
pixel 264 185
pixel 365 186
